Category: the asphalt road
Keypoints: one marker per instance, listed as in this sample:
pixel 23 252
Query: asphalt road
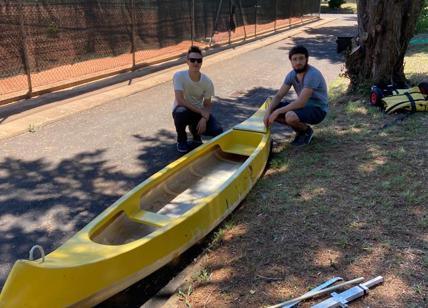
pixel 55 180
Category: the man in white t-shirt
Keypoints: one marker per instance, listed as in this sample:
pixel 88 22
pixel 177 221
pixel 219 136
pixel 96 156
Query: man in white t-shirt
pixel 192 105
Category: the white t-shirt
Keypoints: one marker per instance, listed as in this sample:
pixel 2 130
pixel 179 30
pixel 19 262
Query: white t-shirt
pixel 194 91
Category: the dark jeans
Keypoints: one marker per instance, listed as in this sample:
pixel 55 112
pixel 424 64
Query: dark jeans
pixel 184 117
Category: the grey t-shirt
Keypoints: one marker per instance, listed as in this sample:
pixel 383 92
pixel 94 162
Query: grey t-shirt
pixel 194 91
pixel 314 80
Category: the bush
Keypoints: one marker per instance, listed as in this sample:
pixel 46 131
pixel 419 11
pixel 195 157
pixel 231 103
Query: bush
pixel 335 4
pixel 422 23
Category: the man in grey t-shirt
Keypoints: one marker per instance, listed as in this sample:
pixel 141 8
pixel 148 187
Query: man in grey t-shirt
pixel 311 105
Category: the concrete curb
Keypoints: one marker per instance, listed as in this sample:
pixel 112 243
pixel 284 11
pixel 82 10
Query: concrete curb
pixel 40 116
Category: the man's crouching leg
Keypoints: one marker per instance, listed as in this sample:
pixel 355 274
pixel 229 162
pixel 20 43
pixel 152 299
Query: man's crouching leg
pixel 182 118
pixel 213 127
pixel 303 131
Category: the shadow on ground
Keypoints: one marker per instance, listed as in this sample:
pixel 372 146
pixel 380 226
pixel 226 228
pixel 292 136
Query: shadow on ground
pixel 322 43
pixel 46 203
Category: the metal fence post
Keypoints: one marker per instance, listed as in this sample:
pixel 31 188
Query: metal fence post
pixel 301 12
pixel 192 18
pixel 133 26
pixel 255 18
pixel 25 57
pixel 244 20
pixel 215 22
pixel 230 23
pixel 275 16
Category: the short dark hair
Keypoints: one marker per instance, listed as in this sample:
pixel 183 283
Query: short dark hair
pixel 194 49
pixel 299 49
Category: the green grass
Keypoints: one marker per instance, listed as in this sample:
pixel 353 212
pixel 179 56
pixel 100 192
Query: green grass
pixel 422 23
pixel 346 8
pixel 416 63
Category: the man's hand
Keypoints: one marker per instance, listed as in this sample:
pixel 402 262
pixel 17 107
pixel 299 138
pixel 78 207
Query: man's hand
pixel 272 117
pixel 266 118
pixel 202 126
pixel 205 114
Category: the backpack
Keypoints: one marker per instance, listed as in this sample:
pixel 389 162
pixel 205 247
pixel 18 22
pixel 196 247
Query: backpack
pixel 406 100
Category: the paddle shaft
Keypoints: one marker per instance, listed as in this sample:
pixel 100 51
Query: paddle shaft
pixel 309 295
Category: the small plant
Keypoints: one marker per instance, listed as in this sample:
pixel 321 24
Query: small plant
pixel 335 4
pixel 217 238
pixel 203 276
pixel 31 128
pixel 185 295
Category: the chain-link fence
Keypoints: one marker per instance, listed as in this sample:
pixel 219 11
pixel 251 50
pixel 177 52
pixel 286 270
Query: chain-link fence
pixel 51 44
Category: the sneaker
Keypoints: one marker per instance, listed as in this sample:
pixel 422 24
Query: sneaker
pixel 195 143
pixel 299 139
pixel 308 135
pixel 182 147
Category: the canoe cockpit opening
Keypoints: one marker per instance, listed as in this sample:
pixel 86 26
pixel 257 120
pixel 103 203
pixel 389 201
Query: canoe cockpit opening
pixel 120 229
pixel 187 187
pixel 178 193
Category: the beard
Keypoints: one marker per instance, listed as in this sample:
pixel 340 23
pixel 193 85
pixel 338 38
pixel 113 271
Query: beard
pixel 301 70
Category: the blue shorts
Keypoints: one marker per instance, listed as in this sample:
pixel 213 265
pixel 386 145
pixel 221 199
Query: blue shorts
pixel 307 114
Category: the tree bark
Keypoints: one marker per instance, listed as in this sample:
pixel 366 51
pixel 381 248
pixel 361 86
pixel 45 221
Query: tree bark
pixel 385 28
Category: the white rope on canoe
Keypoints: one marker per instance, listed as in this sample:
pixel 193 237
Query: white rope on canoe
pixel 42 253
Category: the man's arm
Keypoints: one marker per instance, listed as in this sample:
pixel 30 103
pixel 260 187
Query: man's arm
pixel 275 101
pixel 278 96
pixel 181 101
pixel 300 102
pixel 207 107
pixel 202 124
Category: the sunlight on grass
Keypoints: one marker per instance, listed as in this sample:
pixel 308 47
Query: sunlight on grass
pixel 346 8
pixel 378 158
pixel 326 257
pixel 370 167
pixel 358 225
pixel 337 88
pixel 416 64
pixel 356 107
pixel 279 162
pixel 312 193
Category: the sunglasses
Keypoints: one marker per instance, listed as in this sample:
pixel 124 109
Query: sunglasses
pixel 194 60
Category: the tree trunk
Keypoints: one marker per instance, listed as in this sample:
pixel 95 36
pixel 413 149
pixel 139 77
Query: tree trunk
pixel 385 28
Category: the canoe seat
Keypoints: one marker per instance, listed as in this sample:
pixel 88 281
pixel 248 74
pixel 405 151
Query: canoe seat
pixel 150 218
pixel 237 148
pixel 207 185
pixel 121 229
pixel 187 188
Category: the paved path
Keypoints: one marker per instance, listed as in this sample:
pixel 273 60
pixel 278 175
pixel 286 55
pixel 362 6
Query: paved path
pixel 55 180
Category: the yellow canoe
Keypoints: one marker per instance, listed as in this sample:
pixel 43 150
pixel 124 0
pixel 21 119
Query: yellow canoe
pixel 149 226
